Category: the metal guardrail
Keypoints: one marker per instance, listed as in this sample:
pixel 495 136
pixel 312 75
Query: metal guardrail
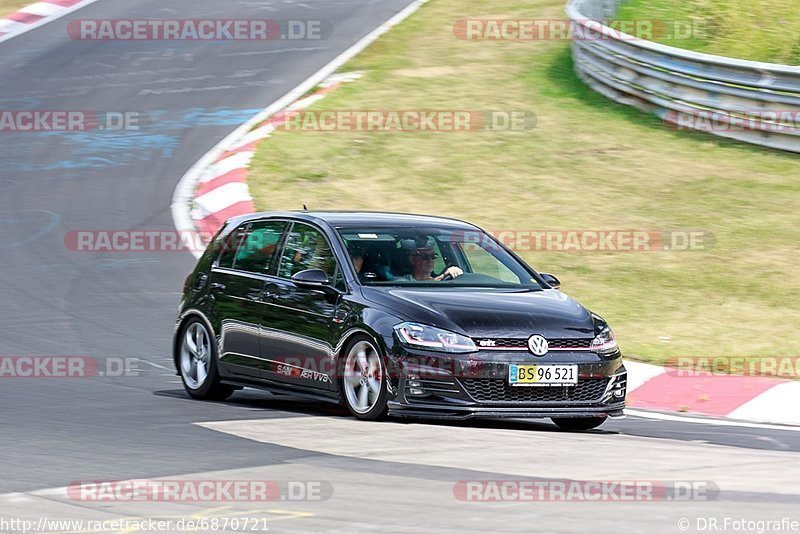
pixel 754 102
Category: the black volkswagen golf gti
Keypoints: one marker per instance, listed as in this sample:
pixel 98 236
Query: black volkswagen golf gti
pixel 394 314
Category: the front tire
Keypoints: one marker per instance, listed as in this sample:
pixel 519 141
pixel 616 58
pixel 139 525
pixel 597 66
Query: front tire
pixel 363 380
pixel 197 361
pixel 575 424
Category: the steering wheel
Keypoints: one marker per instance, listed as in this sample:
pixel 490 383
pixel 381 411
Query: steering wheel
pixel 447 277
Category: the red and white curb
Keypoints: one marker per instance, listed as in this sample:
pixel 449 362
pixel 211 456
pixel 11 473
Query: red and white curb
pixel 222 191
pixel 746 398
pixel 38 14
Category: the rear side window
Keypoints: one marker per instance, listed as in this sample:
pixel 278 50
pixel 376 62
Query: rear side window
pixel 252 248
pixel 257 253
pixel 306 248
pixel 230 244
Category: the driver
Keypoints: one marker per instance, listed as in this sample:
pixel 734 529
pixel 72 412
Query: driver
pixel 422 260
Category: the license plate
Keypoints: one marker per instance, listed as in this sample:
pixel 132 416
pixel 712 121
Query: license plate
pixel 542 375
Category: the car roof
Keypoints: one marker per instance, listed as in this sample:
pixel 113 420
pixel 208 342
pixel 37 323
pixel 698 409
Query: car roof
pixel 362 219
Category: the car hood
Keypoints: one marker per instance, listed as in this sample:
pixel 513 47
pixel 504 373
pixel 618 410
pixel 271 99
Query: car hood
pixel 489 313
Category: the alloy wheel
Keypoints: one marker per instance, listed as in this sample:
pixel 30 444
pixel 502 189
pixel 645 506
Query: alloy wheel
pixel 195 355
pixel 363 377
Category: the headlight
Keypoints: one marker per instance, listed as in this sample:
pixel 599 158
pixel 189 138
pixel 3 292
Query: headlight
pixel 418 336
pixel 604 342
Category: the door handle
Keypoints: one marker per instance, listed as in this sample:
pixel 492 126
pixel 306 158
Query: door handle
pixel 271 292
pixel 217 285
pixel 200 282
pixel 269 295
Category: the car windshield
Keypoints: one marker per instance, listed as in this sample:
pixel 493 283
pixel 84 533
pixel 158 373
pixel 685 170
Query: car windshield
pixel 433 256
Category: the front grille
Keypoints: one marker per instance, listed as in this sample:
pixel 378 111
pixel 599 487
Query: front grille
pixel 502 343
pixel 570 343
pixel 498 390
pixel 522 344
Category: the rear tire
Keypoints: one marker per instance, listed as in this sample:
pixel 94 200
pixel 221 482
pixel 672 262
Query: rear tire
pixel 575 424
pixel 197 362
pixel 363 380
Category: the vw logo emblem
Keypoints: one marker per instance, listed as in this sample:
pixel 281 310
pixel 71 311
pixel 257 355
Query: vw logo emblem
pixel 538 345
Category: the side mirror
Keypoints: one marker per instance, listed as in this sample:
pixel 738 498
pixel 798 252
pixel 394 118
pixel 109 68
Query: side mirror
pixel 551 280
pixel 311 279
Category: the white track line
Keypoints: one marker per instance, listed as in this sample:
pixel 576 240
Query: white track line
pixel 184 192
pixel 12 26
pixel 706 421
pixel 778 404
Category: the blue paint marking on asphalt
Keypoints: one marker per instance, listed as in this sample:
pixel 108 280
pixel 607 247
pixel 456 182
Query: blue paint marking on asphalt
pixel 54 219
pixel 128 145
pixel 85 163
pixel 192 118
pixel 20 103
pixel 125 146
pixel 11 167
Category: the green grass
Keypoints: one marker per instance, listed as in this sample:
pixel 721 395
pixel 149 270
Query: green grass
pixel 10 6
pixel 588 164
pixel 760 30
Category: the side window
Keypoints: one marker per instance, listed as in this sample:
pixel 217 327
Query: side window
pixel 306 248
pixel 230 244
pixel 258 250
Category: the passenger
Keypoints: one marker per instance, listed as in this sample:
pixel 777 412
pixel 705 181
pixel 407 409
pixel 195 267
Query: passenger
pixel 357 254
pixel 358 263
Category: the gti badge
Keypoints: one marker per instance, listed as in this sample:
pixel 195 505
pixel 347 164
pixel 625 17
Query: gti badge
pixel 538 345
pixel 487 343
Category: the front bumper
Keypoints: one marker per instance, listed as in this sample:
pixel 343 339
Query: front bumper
pixel 476 385
pixel 437 411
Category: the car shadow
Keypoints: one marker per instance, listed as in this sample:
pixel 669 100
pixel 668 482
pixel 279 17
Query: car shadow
pixel 264 401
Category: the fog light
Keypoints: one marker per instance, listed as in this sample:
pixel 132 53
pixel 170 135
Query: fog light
pixel 620 392
pixel 416 391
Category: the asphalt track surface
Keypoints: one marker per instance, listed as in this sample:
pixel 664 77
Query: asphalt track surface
pixel 394 476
